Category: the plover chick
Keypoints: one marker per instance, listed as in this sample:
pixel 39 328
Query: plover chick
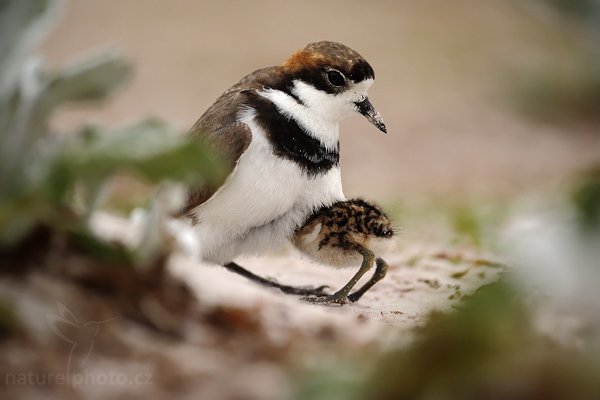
pixel 346 234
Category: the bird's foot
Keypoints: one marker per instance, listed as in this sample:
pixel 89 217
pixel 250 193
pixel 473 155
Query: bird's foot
pixel 353 297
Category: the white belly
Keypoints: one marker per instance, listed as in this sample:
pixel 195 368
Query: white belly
pixel 261 204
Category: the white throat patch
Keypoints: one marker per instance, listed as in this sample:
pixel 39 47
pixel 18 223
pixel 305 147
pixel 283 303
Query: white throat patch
pixel 321 112
pixel 327 131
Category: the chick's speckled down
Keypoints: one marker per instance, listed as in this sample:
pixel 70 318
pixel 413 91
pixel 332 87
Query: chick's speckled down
pixel 333 234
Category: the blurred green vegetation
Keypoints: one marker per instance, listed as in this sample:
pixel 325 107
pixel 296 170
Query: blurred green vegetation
pixel 486 349
pixel 9 323
pixel 586 199
pixel 471 223
pixel 56 180
pixel 567 90
pixel 588 10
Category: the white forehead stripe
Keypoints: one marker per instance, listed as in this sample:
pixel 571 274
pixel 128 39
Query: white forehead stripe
pixel 318 112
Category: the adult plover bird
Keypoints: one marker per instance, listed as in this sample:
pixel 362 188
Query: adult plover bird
pixel 280 128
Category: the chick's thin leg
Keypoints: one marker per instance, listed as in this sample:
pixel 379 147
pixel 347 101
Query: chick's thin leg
pixel 380 272
pixel 302 291
pixel 341 296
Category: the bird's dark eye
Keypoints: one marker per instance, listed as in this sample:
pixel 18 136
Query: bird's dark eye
pixel 335 78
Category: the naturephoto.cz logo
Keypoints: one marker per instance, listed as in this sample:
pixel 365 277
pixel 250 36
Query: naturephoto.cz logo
pixel 85 378
pixel 81 337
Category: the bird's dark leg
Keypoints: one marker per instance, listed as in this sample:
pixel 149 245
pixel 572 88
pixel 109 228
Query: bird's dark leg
pixel 379 274
pixel 302 291
pixel 341 296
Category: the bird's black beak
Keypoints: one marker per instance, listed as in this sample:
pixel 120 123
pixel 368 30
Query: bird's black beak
pixel 366 108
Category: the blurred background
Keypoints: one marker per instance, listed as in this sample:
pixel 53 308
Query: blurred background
pixel 491 170
pixel 473 92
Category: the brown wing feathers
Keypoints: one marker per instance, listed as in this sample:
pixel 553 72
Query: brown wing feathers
pixel 229 140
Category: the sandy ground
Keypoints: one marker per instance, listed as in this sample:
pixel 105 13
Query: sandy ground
pixel 240 341
pixel 445 76
pixel 422 278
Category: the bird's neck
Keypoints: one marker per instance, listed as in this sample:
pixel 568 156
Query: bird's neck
pixel 315 152
pixel 312 120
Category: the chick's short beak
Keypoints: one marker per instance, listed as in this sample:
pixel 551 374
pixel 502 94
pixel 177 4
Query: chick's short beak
pixel 366 108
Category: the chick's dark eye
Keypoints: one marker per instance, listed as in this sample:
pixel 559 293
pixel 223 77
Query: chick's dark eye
pixel 335 78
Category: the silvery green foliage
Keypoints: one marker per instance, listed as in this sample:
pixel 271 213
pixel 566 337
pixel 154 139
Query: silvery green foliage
pixel 40 173
pixel 587 11
pixel 22 25
pixel 29 94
